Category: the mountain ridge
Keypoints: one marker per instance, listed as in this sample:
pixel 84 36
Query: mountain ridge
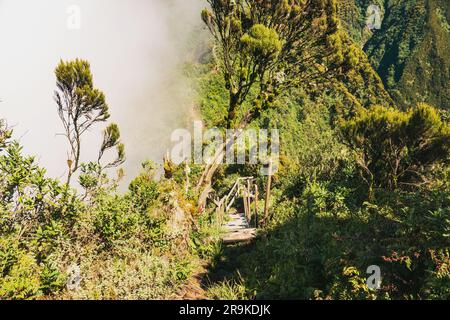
pixel 411 50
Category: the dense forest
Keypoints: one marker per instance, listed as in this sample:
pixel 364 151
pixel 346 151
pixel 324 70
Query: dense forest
pixel 363 177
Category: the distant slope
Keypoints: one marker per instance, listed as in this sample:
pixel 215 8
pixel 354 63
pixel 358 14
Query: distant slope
pixel 426 74
pixel 353 15
pixel 411 51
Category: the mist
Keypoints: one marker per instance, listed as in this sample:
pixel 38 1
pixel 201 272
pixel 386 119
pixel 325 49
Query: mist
pixel 136 49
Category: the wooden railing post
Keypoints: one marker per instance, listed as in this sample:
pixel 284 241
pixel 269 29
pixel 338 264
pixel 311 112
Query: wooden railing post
pixel 256 206
pixel 249 201
pixel 245 201
pixel 268 189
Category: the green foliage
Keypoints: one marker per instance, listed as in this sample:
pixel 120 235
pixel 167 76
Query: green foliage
pixel 411 52
pixel 75 83
pixel 136 276
pixel 438 283
pixel 80 106
pixel 143 189
pixel 111 139
pixel 113 220
pixel 125 246
pixel 353 15
pixel 204 240
pixel 397 149
pixel 262 42
pixel 90 176
pixel 269 46
pixel 350 286
pixel 22 281
pixel 52 280
pixel 228 290
pixel 27 198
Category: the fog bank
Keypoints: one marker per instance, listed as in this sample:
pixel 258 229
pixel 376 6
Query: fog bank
pixel 135 48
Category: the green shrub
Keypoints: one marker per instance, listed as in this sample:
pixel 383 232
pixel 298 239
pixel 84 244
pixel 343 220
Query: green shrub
pixel 397 149
pixel 143 189
pixel 121 243
pixel 22 280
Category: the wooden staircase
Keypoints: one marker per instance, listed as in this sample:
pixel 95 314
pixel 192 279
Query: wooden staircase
pixel 238 229
pixel 236 226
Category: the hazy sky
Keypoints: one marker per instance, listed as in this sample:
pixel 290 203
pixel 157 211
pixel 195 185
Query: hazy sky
pixel 135 48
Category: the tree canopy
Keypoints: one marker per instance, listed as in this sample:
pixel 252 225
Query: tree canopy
pixel 80 105
pixel 271 45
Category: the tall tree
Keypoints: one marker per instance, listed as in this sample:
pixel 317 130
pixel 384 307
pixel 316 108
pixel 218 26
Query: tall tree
pixel 272 45
pixel 268 46
pixel 80 106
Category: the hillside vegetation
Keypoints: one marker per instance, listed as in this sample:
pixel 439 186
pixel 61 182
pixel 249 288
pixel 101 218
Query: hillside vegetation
pixel 411 51
pixel 363 180
pixel 330 222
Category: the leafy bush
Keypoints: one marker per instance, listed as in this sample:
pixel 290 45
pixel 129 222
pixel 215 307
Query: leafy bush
pixel 124 246
pixel 143 189
pixel 398 149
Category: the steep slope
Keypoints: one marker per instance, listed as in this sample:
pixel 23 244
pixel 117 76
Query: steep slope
pixel 353 15
pixel 411 51
pixel 426 74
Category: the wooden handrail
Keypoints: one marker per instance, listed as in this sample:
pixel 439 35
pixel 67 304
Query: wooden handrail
pixel 228 200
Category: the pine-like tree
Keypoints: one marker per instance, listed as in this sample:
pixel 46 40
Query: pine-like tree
pixel 80 106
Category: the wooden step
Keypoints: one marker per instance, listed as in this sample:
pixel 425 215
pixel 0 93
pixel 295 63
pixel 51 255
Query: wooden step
pixel 237 229
pixel 236 216
pixel 237 223
pixel 243 235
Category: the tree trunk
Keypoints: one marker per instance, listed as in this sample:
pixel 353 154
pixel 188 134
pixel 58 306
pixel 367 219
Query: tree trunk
pixel 231 117
pixel 205 182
